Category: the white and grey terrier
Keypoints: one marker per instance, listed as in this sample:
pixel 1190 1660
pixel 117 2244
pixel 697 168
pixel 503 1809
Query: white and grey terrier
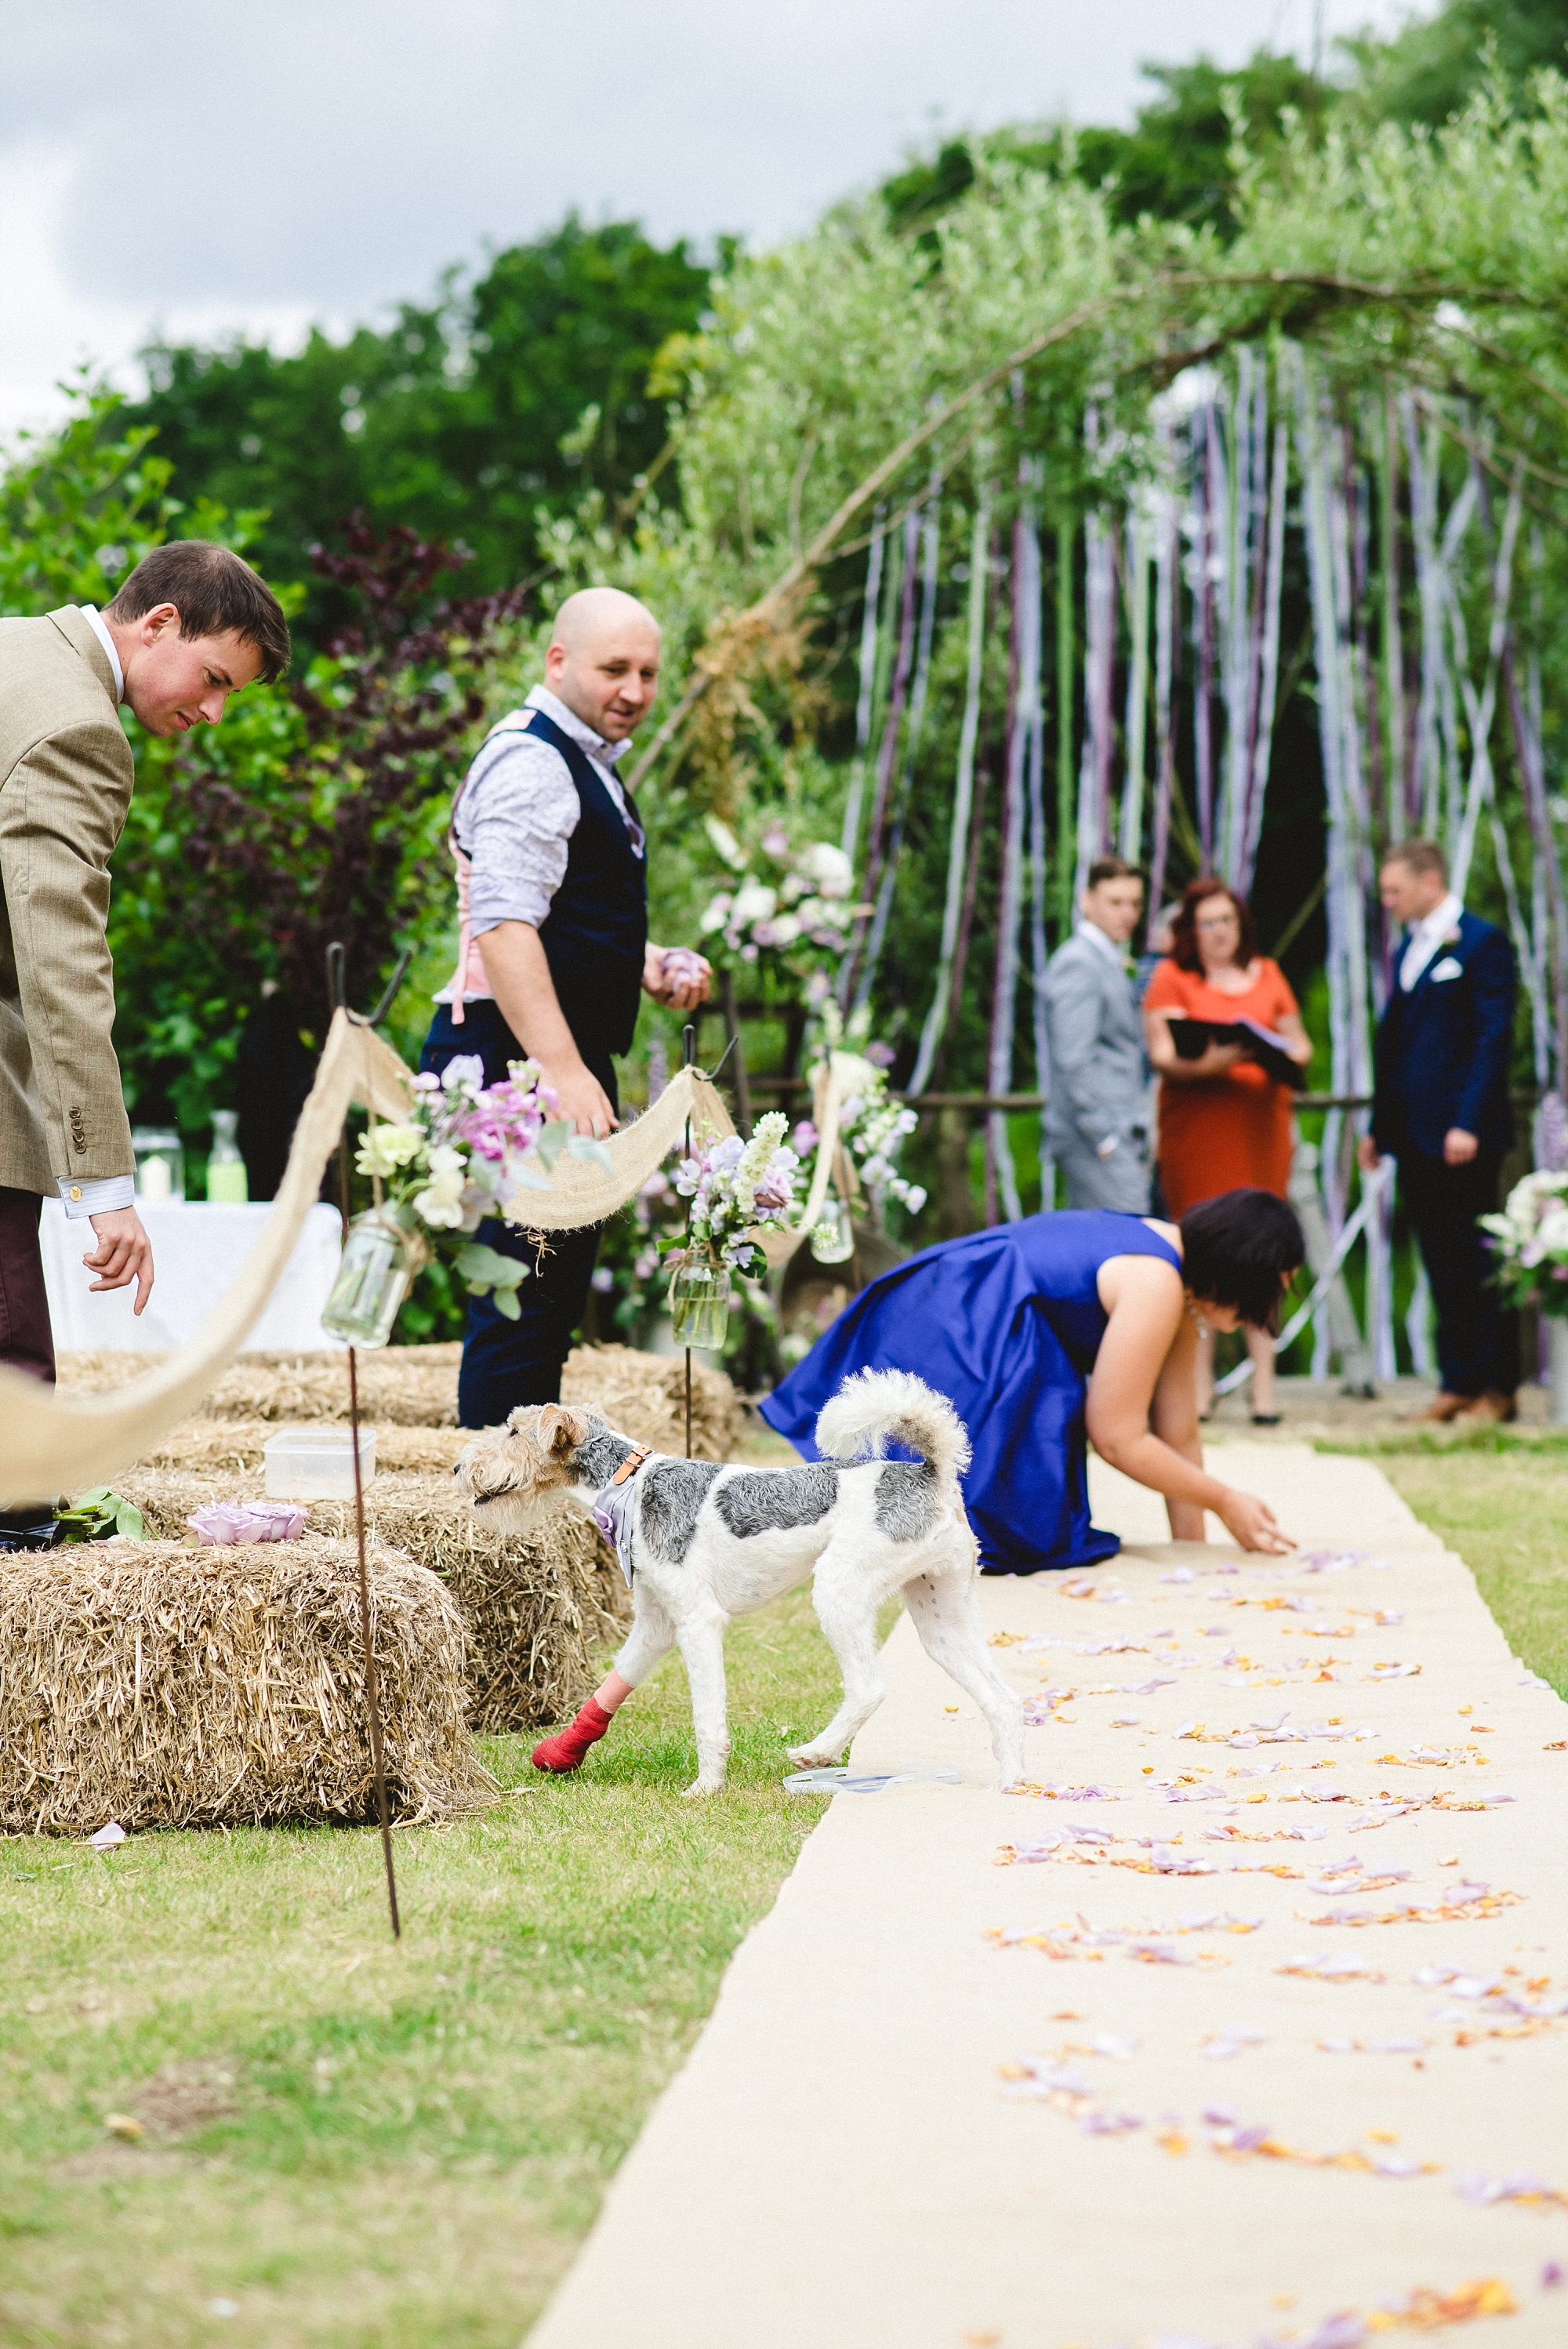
pixel 702 1543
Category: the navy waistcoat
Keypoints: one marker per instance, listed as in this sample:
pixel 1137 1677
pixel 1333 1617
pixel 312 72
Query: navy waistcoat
pixel 596 931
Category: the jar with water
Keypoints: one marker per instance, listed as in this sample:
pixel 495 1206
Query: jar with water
pixel 160 1165
pixel 699 1301
pixel 380 1261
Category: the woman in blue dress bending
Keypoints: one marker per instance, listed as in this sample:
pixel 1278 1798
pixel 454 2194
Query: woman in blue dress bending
pixel 1059 1331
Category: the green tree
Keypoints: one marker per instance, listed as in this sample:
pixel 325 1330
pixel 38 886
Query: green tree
pixel 1427 72
pixel 452 422
pixel 1178 163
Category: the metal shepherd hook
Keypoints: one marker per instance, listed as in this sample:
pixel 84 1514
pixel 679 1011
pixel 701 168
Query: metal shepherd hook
pixel 336 991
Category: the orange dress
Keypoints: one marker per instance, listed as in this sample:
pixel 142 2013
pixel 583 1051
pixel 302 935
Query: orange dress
pixel 1229 1132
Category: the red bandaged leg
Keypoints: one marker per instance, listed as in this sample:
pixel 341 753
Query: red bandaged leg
pixel 565 1750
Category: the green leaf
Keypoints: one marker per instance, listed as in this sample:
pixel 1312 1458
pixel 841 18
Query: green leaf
pixel 485 1268
pixel 128 1520
pixel 507 1305
pixel 552 1140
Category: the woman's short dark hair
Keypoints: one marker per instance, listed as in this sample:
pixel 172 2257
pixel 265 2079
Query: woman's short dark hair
pixel 1234 1251
pixel 1184 928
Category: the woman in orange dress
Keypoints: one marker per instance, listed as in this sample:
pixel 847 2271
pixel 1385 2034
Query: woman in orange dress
pixel 1224 1122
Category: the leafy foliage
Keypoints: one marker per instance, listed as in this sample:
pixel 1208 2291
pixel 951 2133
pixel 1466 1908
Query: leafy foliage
pixel 452 422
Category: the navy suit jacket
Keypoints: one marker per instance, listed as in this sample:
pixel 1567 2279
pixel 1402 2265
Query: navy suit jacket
pixel 1444 1051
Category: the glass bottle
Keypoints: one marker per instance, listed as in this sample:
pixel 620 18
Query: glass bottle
pixel 378 1263
pixel 833 1240
pixel 160 1165
pixel 700 1300
pixel 226 1182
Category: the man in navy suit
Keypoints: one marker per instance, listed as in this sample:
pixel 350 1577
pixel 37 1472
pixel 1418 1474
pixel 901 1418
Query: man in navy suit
pixel 1441 1108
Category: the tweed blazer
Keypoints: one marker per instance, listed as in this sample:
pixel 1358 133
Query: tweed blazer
pixel 66 778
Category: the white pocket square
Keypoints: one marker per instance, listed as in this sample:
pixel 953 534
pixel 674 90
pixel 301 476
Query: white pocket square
pixel 1448 968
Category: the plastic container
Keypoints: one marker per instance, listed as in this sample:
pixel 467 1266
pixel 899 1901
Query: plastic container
pixel 316 1464
pixel 226 1180
pixel 160 1165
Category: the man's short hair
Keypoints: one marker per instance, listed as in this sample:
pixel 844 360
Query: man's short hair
pixel 214 592
pixel 1419 856
pixel 1112 868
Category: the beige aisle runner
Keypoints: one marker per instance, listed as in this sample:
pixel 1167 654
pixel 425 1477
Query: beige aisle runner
pixel 1264 2025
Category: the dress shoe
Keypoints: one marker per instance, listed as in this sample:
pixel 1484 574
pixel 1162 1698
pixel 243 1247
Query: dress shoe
pixel 1441 1409
pixel 1490 1410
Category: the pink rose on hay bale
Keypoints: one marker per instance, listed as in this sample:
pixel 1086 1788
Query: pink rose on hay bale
pixel 223 1523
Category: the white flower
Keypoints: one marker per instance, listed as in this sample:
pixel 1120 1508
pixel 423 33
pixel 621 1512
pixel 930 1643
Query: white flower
pixel 755 902
pixel 716 913
pixel 786 929
pixel 829 867
pixel 1552 1235
pixel 441 1204
pixel 388 1147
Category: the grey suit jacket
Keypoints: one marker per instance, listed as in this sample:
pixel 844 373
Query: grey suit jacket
pixel 1099 1084
pixel 65 777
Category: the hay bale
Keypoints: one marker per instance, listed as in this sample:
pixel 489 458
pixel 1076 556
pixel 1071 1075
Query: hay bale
pixel 233 1446
pixel 170 1687
pixel 404 1386
pixel 538 1613
pixel 644 1396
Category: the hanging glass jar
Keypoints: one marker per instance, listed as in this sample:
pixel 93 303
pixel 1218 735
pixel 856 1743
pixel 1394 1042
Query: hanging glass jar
pixel 833 1239
pixel 380 1261
pixel 700 1300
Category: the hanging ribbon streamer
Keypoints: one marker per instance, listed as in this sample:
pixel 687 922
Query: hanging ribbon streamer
pixel 930 1035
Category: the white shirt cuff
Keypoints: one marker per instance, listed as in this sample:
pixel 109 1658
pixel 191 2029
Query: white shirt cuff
pixel 101 1198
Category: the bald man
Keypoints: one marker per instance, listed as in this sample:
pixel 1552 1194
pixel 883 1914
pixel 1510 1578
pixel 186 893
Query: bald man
pixel 554 955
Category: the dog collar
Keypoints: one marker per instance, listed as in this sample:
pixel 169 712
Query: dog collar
pixel 612 1507
pixel 632 1463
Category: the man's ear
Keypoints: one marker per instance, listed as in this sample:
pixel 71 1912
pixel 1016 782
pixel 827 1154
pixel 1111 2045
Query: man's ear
pixel 560 1431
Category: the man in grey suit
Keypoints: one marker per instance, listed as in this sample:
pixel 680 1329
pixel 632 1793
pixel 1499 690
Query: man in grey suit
pixel 1097 1121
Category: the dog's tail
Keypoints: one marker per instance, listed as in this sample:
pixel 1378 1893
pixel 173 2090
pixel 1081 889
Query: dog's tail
pixel 875 1408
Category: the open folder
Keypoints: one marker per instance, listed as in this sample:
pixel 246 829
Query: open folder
pixel 1192 1037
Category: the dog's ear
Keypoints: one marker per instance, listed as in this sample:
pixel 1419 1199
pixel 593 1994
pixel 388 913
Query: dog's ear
pixel 560 1430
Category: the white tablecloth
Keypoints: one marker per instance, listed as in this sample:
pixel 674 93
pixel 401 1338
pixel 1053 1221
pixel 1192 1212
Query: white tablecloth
pixel 197 1252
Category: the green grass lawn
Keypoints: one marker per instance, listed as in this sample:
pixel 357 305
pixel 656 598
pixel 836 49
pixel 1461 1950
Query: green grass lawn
pixel 1502 1501
pixel 355 2144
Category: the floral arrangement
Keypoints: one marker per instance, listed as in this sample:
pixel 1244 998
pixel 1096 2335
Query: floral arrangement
pixel 791 905
pixel 872 1126
pixel 1531 1237
pixel 736 1188
pixel 466 1149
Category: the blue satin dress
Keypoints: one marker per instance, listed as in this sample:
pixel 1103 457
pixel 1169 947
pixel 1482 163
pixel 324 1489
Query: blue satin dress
pixel 1006 1323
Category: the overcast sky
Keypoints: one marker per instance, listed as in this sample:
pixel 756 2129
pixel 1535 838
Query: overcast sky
pixel 197 167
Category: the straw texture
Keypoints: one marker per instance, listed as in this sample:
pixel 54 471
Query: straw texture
pixel 538 1614
pixel 164 1686
pixel 644 1396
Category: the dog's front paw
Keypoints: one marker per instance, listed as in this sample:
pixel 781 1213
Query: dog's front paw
pixel 811 1757
pixel 700 1787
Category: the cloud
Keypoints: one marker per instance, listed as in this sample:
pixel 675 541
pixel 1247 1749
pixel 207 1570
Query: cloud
pixel 198 159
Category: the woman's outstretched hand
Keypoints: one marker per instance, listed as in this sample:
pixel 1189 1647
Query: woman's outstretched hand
pixel 1251 1522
